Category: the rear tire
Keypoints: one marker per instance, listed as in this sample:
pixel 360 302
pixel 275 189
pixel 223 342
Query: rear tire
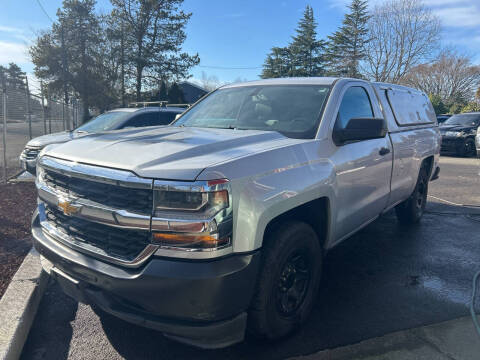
pixel 288 282
pixel 411 210
pixel 469 148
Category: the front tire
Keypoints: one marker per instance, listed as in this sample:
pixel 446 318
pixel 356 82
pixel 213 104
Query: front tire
pixel 411 210
pixel 288 283
pixel 468 149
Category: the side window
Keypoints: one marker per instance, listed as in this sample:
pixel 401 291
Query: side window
pixel 166 117
pixel 355 104
pixel 146 119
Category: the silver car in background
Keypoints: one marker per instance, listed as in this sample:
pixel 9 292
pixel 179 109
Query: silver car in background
pixel 112 120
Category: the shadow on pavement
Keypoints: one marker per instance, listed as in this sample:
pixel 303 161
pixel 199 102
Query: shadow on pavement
pixel 52 342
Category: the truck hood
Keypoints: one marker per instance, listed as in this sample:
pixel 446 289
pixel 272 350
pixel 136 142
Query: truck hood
pixel 175 153
pixel 55 138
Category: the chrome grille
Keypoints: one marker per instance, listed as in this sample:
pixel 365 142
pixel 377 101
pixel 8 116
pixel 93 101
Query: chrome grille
pixel 125 244
pixel 131 199
pixel 103 212
pixel 31 153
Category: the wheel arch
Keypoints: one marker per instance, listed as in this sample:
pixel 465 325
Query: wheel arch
pixel 317 213
pixel 429 161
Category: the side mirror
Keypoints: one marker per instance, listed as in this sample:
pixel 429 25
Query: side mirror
pixel 358 129
pixel 177 116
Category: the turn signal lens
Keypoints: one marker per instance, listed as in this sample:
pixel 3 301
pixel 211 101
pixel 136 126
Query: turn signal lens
pixel 192 241
pixel 208 239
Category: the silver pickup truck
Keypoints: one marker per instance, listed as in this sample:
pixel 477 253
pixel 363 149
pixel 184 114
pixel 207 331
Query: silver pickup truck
pixel 219 223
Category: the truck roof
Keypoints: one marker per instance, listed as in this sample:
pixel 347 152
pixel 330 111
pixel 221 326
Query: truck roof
pixel 287 81
pixel 312 81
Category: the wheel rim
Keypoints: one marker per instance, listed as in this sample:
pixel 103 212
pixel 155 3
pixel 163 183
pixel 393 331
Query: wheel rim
pixel 421 195
pixel 293 284
pixel 470 148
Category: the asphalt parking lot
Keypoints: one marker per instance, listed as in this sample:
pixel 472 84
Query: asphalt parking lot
pixel 384 279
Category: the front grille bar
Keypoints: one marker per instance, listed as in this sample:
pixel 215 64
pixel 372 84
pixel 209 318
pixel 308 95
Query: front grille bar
pixel 95 212
pixel 50 231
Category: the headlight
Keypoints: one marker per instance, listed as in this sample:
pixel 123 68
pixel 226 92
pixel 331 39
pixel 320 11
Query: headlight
pixel 195 217
pixel 40 176
pixel 454 133
pixel 202 204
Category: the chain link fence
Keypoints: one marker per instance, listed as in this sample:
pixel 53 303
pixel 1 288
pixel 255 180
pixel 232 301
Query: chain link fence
pixel 25 113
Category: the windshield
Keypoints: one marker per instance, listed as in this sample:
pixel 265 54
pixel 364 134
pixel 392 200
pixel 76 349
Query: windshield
pixel 293 110
pixel 106 121
pixel 463 119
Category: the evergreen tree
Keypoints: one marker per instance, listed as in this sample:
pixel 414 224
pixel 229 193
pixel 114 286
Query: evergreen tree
pixel 13 76
pixel 304 56
pixel 69 56
pixel 277 64
pixel 346 47
pixel 307 51
pixel 156 32
pixel 437 103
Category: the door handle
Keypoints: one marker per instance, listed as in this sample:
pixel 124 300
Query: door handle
pixel 384 151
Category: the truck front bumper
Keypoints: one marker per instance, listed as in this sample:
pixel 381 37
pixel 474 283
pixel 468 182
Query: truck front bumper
pixel 202 303
pixel 29 165
pixel 452 145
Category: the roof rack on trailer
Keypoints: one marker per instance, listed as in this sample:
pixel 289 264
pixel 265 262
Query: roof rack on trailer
pixel 156 103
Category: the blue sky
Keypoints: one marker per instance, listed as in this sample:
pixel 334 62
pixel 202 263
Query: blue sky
pixel 236 34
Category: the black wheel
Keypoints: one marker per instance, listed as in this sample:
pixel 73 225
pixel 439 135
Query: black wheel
pixel 411 210
pixel 469 148
pixel 288 283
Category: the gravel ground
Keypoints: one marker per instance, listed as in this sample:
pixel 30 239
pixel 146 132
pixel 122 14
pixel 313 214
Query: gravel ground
pixel 16 207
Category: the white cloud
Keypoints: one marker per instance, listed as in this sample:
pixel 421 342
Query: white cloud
pixel 13 52
pixel 13 32
pixel 446 2
pixel 460 16
pixel 9 29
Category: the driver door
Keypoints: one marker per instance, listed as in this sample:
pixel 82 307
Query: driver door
pixel 363 168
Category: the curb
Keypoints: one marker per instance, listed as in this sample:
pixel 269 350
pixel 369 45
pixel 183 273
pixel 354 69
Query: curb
pixel 449 340
pixel 19 305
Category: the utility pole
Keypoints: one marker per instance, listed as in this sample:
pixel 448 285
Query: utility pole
pixel 29 116
pixel 122 57
pixel 43 108
pixel 64 66
pixel 4 93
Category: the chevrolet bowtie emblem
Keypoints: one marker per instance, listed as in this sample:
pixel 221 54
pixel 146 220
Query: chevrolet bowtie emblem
pixel 67 207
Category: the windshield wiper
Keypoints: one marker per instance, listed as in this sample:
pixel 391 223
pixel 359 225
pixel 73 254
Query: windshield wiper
pixel 81 132
pixel 230 127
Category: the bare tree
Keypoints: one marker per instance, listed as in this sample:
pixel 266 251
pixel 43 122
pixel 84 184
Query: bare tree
pixel 210 82
pixel 452 77
pixel 403 33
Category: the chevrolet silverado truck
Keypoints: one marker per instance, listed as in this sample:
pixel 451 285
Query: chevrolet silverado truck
pixel 218 224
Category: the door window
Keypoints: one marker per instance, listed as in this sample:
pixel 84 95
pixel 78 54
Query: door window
pixel 355 104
